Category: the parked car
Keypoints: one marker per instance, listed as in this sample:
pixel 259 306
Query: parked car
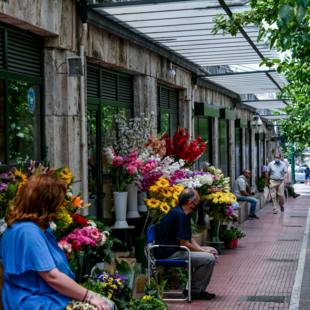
pixel 299 175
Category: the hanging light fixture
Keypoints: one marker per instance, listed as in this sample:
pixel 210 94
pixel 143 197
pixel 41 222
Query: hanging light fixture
pixel 171 73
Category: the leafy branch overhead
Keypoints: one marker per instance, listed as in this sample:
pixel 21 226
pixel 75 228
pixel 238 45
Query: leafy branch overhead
pixel 284 25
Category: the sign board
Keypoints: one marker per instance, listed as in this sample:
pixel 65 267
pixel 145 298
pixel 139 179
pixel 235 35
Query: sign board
pixel 31 99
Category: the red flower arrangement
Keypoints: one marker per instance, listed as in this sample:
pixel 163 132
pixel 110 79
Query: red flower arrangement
pixel 78 219
pixel 181 148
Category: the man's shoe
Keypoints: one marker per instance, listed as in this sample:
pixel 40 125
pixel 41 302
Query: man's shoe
pixel 275 212
pixel 201 296
pixel 256 217
pixel 251 217
pixel 209 294
pixel 296 195
pixel 282 208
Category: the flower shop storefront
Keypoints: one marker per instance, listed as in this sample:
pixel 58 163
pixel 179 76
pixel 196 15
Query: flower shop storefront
pixel 108 93
pixel 21 100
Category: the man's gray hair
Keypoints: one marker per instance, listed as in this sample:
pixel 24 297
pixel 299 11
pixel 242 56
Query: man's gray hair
pixel 187 195
pixel 245 170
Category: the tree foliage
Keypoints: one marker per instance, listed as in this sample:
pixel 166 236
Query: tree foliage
pixel 284 25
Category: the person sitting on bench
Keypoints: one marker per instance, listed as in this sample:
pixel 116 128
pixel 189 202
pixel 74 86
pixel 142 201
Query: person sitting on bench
pixel 175 229
pixel 242 191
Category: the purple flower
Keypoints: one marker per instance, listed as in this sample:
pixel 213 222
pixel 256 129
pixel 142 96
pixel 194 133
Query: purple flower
pixel 3 186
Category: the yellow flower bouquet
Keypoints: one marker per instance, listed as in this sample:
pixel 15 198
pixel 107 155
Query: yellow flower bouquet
pixel 219 205
pixel 163 198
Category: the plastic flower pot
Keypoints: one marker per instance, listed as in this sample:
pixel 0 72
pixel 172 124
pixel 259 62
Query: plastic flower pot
pixel 236 242
pixel 214 230
pixel 229 244
pixel 139 251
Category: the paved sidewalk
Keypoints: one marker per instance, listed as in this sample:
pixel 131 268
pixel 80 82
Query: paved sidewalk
pixel 260 273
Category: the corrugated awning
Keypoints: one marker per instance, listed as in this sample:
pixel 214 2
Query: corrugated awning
pixel 249 82
pixel 185 28
pixel 264 104
pixel 274 117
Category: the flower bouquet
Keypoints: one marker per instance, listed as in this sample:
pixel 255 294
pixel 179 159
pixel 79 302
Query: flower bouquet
pixel 219 205
pixel 181 148
pixel 129 134
pixel 112 286
pixel 163 198
pixel 220 183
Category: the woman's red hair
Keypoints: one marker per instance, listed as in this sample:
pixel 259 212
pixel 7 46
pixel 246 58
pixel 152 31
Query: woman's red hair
pixel 38 200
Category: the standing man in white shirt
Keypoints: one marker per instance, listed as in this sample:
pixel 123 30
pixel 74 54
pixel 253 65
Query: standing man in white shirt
pixel 277 171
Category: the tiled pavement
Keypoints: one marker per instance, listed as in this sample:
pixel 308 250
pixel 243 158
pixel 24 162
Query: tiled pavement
pixel 246 270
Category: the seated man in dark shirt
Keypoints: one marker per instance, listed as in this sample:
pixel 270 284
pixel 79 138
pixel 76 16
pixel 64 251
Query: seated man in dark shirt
pixel 175 229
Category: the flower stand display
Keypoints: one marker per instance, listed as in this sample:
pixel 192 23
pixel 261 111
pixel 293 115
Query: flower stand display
pixel 120 205
pixel 132 201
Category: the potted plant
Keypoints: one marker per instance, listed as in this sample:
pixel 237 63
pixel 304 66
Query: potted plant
pixel 228 237
pixel 239 235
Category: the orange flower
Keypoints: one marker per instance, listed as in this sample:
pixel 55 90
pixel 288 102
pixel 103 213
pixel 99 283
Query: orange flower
pixel 77 202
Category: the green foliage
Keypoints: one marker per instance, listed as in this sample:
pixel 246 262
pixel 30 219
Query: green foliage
pixel 147 303
pixel 260 183
pixel 194 227
pixel 155 289
pixel 229 235
pixel 21 123
pixel 292 33
pixel 238 232
pixel 168 273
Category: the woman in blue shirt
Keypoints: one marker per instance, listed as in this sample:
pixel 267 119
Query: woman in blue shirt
pixel 35 270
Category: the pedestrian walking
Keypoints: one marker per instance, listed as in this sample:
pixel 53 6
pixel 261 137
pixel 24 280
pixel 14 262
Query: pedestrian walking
pixel 307 175
pixel 277 171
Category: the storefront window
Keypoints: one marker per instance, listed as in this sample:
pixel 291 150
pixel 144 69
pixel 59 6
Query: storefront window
pixel 24 122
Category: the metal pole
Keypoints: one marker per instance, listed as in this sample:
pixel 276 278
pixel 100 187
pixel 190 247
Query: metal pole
pixel 293 162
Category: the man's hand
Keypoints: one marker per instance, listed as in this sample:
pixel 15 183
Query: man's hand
pixel 213 253
pixel 286 182
pixel 266 183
